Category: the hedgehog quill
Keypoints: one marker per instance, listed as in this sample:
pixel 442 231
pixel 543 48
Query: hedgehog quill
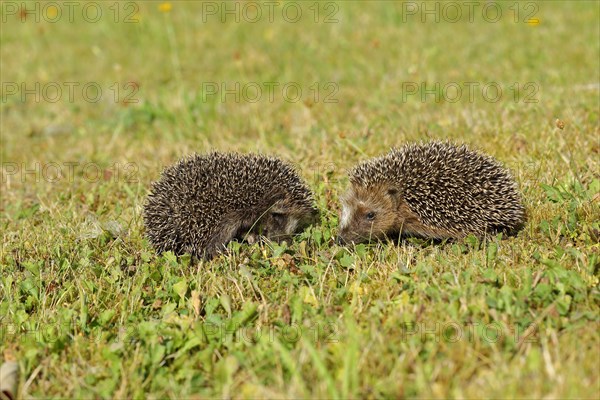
pixel 205 201
pixel 435 190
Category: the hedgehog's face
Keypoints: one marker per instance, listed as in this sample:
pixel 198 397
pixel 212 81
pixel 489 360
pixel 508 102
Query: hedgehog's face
pixel 284 219
pixel 368 213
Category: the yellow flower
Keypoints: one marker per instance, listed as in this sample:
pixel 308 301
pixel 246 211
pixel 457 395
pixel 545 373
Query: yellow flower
pixel 269 34
pixel 308 296
pixel 403 299
pixel 165 7
pixel 356 289
pixel 51 12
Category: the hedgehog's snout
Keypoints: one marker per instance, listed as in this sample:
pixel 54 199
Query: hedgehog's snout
pixel 345 236
pixel 345 233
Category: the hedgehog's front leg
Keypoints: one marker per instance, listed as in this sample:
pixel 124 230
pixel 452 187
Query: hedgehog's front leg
pixel 251 237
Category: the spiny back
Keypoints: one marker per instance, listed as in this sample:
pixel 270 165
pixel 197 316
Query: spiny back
pixel 229 180
pixel 448 186
pixel 192 200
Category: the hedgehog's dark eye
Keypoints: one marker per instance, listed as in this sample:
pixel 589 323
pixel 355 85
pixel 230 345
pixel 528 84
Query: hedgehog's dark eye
pixel 371 215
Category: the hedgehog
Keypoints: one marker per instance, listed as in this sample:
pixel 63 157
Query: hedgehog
pixel 436 190
pixel 205 201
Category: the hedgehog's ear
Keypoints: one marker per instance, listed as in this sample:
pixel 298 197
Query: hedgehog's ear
pixel 277 209
pixel 394 194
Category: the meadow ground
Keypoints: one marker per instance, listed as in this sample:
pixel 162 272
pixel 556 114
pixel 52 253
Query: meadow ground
pixel 94 105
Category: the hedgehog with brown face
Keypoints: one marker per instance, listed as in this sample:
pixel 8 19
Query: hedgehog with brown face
pixel 435 190
pixel 205 201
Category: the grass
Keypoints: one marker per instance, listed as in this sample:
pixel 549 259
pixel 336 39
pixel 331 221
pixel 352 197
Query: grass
pixel 89 310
